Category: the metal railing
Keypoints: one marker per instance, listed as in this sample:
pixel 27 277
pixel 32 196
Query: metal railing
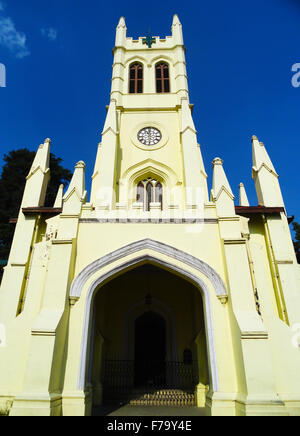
pixel 124 380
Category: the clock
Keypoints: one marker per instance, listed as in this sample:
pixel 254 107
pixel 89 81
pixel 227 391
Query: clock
pixel 149 136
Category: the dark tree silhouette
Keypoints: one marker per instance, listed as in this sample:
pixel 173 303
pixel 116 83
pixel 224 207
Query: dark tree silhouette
pixel 296 227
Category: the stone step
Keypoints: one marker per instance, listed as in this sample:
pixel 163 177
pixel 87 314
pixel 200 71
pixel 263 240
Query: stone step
pixel 169 397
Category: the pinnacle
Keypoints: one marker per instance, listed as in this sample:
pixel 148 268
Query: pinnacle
pixel 176 20
pixel 80 164
pixel 218 161
pixel 122 22
pixel 243 196
pixel 260 156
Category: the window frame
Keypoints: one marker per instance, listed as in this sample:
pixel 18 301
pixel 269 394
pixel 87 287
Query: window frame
pixel 156 192
pixel 135 67
pixel 164 79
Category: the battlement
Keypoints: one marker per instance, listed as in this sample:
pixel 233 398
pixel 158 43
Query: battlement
pixel 160 43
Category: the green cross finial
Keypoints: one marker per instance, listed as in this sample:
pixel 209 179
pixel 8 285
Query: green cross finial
pixel 149 40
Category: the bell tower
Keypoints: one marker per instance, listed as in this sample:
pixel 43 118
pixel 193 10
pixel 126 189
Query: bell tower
pixel 149 157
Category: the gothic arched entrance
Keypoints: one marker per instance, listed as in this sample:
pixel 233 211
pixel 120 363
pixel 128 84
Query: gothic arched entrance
pixel 148 342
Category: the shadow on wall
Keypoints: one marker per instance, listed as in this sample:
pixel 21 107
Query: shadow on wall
pixel 3 264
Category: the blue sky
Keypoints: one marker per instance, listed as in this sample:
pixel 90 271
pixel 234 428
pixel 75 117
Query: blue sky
pixel 240 54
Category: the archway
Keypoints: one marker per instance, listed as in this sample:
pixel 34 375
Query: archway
pixel 149 343
pixel 96 274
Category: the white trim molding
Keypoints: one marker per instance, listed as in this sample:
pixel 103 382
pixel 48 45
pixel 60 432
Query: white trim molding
pixel 194 262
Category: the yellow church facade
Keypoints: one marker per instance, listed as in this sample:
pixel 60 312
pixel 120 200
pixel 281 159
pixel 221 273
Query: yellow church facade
pixel 153 290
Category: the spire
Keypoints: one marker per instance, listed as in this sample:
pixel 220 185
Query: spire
pixel 38 177
pixel 34 196
pixel 59 197
pixel 104 172
pixel 177 30
pixel 78 182
pixel 186 117
pixel 111 119
pixel 42 158
pixel 220 181
pixel 121 32
pixel 221 192
pixel 176 21
pixel 260 156
pixel 243 196
pixel 265 177
pixel 122 23
pixel 194 171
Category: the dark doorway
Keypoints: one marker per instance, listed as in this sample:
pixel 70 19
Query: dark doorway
pixel 139 363
pixel 150 350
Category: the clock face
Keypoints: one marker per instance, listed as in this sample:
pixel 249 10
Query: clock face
pixel 149 136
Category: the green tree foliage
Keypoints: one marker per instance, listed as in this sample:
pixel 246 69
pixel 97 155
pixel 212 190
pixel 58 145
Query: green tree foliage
pixel 296 227
pixel 12 182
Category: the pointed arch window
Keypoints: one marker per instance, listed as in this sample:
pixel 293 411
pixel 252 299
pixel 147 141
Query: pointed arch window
pixel 140 193
pixel 149 194
pixel 149 191
pixel 162 77
pixel 136 76
pixel 159 193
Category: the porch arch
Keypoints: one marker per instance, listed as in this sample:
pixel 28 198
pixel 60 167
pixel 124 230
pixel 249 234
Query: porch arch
pixel 144 244
pixel 166 313
pixel 185 258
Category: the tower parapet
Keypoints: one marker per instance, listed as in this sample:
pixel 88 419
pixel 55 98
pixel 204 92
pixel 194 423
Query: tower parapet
pixel 148 51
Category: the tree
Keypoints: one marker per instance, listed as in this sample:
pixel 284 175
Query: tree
pixel 12 184
pixel 296 227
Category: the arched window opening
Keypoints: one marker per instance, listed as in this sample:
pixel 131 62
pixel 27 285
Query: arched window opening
pixel 149 195
pixel 158 193
pixel 162 77
pixel 149 191
pixel 140 193
pixel 136 78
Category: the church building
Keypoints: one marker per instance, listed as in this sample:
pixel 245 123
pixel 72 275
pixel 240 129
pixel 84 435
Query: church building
pixel 158 288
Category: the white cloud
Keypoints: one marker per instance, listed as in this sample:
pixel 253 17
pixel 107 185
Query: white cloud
pixel 50 33
pixel 12 39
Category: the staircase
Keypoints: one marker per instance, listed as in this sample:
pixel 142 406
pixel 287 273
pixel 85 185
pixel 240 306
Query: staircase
pixel 164 397
pixel 157 383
